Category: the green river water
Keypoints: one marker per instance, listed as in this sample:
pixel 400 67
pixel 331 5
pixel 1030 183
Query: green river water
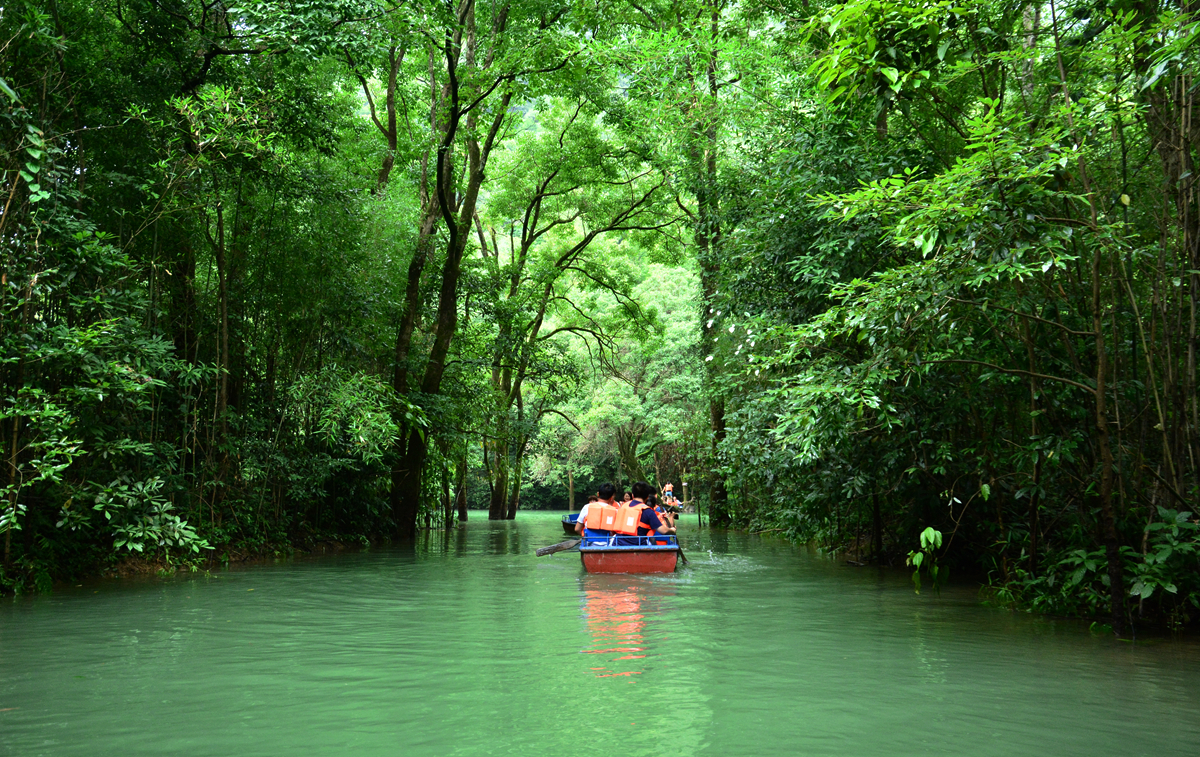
pixel 473 646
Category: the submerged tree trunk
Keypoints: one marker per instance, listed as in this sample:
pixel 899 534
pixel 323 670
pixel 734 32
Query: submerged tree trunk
pixel 514 496
pixel 406 485
pixel 447 503
pixel 460 496
pixel 498 476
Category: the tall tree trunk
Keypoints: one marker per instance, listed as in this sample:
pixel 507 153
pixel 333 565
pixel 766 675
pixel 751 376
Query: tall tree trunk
pixel 389 159
pixel 450 201
pixel 460 496
pixel 498 477
pixel 514 496
pixel 1108 528
pixel 223 308
pixel 877 527
pixel 1112 548
pixel 14 451
pixel 406 485
pixel 222 403
pixel 709 242
pixel 447 504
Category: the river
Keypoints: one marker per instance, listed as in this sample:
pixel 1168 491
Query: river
pixel 473 646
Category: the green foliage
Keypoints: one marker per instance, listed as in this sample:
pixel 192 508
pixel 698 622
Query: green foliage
pixel 141 517
pixel 888 47
pixel 936 255
pixel 926 557
pixel 355 414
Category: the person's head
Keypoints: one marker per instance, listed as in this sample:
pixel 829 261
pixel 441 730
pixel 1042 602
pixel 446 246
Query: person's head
pixel 643 490
pixel 607 492
pixel 592 498
pixel 628 497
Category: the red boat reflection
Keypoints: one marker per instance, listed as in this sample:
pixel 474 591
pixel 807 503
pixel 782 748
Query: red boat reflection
pixel 616 618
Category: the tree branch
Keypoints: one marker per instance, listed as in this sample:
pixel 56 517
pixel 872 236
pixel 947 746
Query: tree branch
pixel 1017 372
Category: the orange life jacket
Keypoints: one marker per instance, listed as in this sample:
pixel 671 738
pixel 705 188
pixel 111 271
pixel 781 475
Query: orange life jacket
pixel 601 516
pixel 629 519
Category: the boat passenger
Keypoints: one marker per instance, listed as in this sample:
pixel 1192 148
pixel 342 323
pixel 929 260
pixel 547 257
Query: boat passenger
pixel 670 501
pixel 604 496
pixel 663 512
pixel 649 523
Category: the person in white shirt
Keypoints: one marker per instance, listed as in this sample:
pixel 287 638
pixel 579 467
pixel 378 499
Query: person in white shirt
pixel 605 495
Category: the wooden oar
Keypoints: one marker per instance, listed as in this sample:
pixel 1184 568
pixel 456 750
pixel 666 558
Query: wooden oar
pixel 681 554
pixel 562 545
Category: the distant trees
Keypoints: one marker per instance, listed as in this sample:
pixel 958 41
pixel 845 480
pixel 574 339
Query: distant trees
pixel 565 187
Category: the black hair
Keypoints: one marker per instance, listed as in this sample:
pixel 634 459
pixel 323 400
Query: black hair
pixel 642 490
pixel 606 491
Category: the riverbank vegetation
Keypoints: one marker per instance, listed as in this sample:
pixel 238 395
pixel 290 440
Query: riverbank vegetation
pixel 276 272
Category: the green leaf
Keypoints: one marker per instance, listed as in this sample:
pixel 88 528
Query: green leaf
pixel 12 95
pixel 927 243
pixel 942 48
pixel 985 491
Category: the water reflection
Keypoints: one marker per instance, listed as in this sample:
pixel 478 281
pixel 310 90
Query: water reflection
pixel 616 611
pixel 503 537
pixel 466 643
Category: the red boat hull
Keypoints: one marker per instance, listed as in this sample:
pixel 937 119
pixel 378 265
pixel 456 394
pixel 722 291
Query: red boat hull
pixel 630 561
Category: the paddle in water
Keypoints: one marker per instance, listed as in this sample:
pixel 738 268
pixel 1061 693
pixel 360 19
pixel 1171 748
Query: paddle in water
pixel 557 547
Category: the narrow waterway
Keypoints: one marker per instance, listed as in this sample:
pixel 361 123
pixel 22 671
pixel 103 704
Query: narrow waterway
pixel 473 646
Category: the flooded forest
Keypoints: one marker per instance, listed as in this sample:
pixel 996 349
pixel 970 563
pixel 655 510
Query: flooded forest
pixel 904 281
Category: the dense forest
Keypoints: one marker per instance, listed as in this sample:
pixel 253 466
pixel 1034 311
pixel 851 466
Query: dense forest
pixel 278 272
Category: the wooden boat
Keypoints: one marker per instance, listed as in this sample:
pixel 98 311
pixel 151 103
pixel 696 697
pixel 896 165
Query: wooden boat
pixel 569 520
pixel 630 554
